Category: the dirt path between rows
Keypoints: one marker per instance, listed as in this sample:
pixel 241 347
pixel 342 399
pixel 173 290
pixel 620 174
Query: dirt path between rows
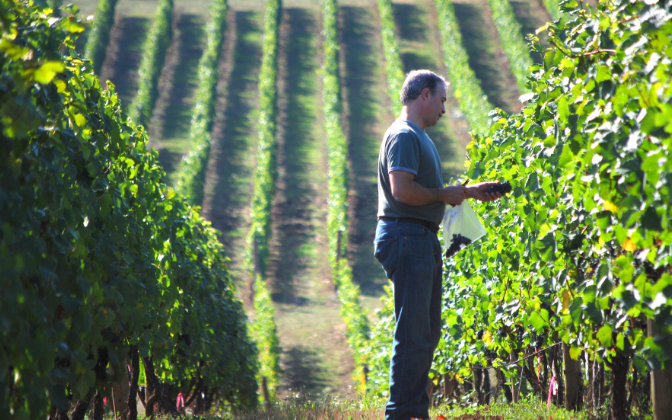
pixel 486 57
pixel 123 55
pixel 229 175
pixel 420 48
pixel 367 114
pixel 315 357
pixel 170 123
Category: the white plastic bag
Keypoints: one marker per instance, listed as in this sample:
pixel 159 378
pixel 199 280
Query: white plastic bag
pixel 461 226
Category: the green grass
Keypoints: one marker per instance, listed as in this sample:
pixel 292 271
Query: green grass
pixel 527 409
pixel 299 407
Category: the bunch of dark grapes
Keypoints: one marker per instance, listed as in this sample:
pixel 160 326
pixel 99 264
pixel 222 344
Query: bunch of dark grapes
pixel 458 240
pixel 502 188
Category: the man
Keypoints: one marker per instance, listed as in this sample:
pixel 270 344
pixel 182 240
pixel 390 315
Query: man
pixel 411 203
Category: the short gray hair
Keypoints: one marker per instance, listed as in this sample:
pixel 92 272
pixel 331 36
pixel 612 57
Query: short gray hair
pixel 416 81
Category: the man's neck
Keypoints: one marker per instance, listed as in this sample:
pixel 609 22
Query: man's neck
pixel 410 116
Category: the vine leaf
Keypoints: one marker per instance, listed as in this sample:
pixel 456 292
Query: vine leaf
pixel 604 335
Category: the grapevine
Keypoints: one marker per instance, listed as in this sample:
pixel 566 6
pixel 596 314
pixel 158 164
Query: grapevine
pixel 101 260
pixel 579 253
pixel 96 44
pixel 191 173
pixel 337 218
pixel 153 57
pixel 262 200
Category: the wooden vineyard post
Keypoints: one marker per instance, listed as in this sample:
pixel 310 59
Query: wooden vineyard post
pixel 133 388
pixel 449 385
pixel 572 379
pixel 267 395
pixel 430 392
pixel 338 246
pixel 661 384
pixel 255 268
pixel 478 383
pixel 513 357
pixel 339 241
pixel 120 390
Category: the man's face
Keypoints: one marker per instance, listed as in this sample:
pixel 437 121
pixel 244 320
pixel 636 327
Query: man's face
pixel 435 105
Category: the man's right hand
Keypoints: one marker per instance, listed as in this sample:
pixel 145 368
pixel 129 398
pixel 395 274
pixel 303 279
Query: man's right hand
pixel 454 194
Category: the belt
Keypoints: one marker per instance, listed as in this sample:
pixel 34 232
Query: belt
pixel 429 225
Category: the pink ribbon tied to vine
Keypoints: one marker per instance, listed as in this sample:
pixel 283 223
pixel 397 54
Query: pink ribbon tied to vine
pixel 552 390
pixel 180 401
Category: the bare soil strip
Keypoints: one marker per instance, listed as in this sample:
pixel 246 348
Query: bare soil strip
pixel 228 186
pixel 486 56
pixel 169 128
pixel 367 113
pixel 122 59
pixel 531 14
pixel 315 357
pixel 419 50
pixel 456 121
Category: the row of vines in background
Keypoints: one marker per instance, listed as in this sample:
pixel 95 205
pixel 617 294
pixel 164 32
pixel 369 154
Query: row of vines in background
pixel 104 266
pixel 55 6
pixel 337 216
pixel 466 87
pixel 191 172
pixel 553 7
pixel 393 65
pixel 98 40
pixel 153 57
pixel 512 41
pixel 265 328
pixel 377 349
pixel 572 287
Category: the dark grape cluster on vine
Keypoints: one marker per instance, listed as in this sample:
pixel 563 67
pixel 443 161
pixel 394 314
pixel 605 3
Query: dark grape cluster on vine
pixel 502 188
pixel 458 240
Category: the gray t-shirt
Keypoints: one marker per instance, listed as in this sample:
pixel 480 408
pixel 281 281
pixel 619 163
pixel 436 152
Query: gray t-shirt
pixel 407 148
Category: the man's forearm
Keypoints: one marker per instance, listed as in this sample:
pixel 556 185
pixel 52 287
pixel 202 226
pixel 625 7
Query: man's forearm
pixel 407 191
pixel 415 194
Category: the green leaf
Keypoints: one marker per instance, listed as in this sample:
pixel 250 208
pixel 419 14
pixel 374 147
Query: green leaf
pixel 536 321
pixel 575 352
pixel 105 204
pixel 74 27
pixel 603 73
pixel 605 336
pixel 650 220
pixel 620 341
pixel 48 71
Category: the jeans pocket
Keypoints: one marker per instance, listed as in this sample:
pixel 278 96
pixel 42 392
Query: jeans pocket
pixel 387 254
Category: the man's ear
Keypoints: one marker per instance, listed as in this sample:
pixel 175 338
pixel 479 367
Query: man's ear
pixel 426 93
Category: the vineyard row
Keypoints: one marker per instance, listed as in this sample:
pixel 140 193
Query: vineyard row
pixel 572 287
pixel 337 218
pixel 264 329
pixel 191 172
pixel 104 266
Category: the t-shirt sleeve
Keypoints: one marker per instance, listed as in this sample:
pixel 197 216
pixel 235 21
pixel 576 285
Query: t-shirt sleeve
pixel 403 153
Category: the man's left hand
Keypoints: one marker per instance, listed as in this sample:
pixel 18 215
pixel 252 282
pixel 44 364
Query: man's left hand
pixel 479 192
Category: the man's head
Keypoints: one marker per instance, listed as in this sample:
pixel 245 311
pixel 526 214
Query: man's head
pixel 424 93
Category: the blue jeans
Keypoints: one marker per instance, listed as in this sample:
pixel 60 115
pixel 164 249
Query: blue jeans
pixel 411 257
